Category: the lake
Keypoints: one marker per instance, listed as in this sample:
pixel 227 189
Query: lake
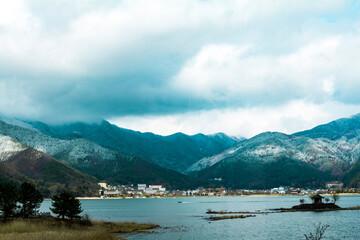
pixel 187 220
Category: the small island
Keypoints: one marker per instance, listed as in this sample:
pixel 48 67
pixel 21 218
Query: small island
pixel 317 204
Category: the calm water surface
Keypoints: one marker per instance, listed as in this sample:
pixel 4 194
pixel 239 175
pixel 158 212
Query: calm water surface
pixel 187 220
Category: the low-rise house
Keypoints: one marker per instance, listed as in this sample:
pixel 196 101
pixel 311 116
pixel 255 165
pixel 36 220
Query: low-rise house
pixel 334 185
pixel 141 187
pixel 155 189
pixel 103 185
pixel 112 193
pixel 158 187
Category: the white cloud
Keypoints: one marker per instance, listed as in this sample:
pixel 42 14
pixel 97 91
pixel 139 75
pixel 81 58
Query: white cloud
pixel 230 72
pixel 98 30
pixel 94 59
pixel 14 101
pixel 247 122
pixel 328 86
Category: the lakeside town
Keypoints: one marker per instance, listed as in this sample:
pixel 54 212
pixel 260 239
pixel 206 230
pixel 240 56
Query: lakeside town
pixel 143 190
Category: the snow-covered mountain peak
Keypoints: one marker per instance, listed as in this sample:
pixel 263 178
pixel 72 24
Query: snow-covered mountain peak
pixel 9 147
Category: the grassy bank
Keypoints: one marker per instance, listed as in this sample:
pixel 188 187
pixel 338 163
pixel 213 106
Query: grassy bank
pixel 55 229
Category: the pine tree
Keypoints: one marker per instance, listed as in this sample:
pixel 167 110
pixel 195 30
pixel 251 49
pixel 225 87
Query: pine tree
pixel 30 199
pixel 66 205
pixel 8 199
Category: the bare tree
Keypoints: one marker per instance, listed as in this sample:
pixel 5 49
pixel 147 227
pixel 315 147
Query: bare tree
pixel 319 232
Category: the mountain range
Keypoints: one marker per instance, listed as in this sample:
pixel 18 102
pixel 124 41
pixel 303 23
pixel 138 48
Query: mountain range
pixel 102 151
pixel 78 155
pixel 175 152
pixel 309 158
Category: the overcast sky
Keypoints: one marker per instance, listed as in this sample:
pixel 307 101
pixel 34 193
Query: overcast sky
pixel 239 67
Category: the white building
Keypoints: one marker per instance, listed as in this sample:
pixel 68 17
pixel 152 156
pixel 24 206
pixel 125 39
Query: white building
pixel 152 189
pixel 112 193
pixel 160 188
pixel 141 187
pixel 103 185
pixel 334 185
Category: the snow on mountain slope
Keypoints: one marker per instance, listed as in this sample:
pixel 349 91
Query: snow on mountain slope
pixel 343 128
pixel 9 147
pixel 16 122
pixel 323 153
pixel 210 161
pixel 177 151
pixel 259 145
pixel 70 151
pixel 85 156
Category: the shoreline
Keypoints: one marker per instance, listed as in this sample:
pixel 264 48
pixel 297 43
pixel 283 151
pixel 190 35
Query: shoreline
pixel 176 197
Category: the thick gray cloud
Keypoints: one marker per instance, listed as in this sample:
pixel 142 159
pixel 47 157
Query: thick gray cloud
pixel 88 60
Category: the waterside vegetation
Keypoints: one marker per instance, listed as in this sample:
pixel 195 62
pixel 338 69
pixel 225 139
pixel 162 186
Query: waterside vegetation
pixel 65 204
pixel 58 229
pixel 319 232
pixel 21 220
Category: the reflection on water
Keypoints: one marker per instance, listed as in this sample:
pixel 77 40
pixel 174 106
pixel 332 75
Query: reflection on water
pixel 187 220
